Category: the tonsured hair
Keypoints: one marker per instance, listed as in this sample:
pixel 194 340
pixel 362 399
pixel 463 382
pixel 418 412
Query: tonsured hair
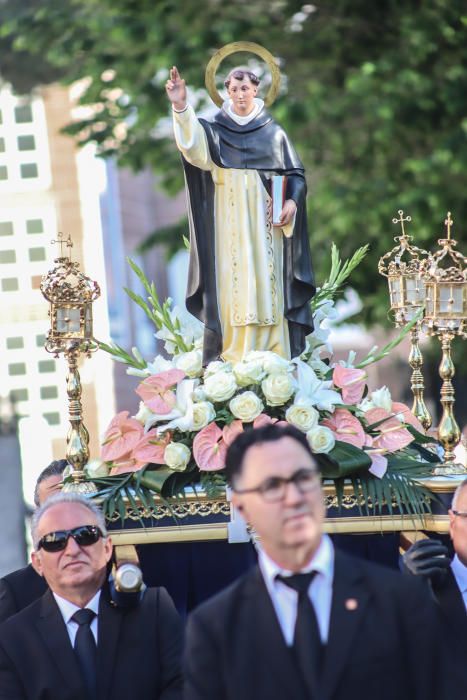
pixel 240 74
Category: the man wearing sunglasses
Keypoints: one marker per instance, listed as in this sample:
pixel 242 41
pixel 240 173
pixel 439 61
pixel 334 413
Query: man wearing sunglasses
pixel 20 588
pixel 429 559
pixel 73 644
pixel 310 623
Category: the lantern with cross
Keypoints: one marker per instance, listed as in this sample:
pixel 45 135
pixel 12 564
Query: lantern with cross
pixel 445 278
pixel 71 294
pixel 402 266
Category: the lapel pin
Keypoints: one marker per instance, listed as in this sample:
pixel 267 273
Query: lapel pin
pixel 351 604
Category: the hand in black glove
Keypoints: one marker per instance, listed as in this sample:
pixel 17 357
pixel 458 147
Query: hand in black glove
pixel 428 558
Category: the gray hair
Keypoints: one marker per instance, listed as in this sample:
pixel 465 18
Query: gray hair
pixel 457 493
pixel 68 497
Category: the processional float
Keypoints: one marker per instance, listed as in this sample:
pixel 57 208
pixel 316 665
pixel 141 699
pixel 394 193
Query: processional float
pixel 423 293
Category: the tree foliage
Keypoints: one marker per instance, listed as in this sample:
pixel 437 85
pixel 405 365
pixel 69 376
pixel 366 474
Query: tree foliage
pixel 375 98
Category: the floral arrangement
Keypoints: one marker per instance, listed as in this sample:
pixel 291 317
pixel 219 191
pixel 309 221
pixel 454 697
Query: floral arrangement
pixel 189 414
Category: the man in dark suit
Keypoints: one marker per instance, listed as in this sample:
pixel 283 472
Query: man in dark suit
pixel 428 559
pixel 22 587
pixel 72 644
pixel 309 622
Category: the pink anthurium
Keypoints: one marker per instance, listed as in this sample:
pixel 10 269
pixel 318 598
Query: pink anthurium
pixel 351 382
pixel 400 409
pixel 120 437
pixel 379 464
pixel 125 465
pixel 209 448
pixel 151 447
pixel 345 427
pixel 391 434
pixel 230 432
pixel 156 390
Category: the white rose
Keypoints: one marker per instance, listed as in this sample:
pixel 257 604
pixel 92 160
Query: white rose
pixel 278 388
pixel 220 386
pixel 203 413
pixel 246 406
pixel 144 413
pixel 96 468
pixel 190 362
pixel 302 415
pixel 247 373
pixel 199 394
pixel 176 456
pixel 217 366
pixel 275 363
pixel 381 398
pixel 321 439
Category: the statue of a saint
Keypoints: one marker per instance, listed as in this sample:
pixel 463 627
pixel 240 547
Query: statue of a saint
pixel 250 282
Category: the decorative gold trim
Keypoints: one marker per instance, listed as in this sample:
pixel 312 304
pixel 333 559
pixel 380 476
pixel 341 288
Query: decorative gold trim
pixel 186 533
pixel 219 531
pixel 236 47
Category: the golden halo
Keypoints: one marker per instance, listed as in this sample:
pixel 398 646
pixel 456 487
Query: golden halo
pixel 236 47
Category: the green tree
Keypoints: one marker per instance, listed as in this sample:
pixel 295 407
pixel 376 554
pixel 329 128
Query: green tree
pixel 375 98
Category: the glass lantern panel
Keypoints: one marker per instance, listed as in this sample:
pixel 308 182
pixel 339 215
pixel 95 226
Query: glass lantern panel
pixel 412 290
pixel 394 291
pixel 457 305
pixel 88 322
pixel 445 298
pixel 429 300
pixel 68 320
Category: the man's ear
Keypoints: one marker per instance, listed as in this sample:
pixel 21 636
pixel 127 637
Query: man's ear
pixel 452 518
pixel 108 548
pixel 37 563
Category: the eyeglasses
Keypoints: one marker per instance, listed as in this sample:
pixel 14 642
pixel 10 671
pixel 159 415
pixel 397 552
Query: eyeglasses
pixel 84 536
pixel 274 488
pixel 460 513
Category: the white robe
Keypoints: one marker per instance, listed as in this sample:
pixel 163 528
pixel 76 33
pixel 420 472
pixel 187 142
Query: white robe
pixel 248 251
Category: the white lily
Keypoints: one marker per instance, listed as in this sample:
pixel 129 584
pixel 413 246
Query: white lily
pixel 159 364
pixel 316 390
pixel 181 416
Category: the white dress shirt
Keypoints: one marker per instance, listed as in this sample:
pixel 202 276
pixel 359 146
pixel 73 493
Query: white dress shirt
pixel 285 599
pixel 460 574
pixel 68 610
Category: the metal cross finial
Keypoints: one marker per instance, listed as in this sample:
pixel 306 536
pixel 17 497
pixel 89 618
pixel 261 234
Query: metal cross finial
pixel 448 222
pixel 63 242
pixel 401 220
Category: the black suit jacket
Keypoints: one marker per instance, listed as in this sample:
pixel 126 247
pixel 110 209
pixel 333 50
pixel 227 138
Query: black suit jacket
pixel 385 648
pixel 454 626
pixel 18 590
pixel 138 652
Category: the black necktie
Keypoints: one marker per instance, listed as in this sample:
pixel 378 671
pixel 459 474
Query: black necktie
pixel 307 640
pixel 85 648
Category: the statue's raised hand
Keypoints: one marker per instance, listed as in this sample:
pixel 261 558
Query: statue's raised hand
pixel 176 90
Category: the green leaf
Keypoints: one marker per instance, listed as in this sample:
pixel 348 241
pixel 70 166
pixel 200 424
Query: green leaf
pixel 343 460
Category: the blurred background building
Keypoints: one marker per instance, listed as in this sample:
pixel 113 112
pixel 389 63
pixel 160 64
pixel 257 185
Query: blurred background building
pixel 47 185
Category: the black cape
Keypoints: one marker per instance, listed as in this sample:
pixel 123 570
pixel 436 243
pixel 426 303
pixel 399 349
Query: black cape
pixel 260 145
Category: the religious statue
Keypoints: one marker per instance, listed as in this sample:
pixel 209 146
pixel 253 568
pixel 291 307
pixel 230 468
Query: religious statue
pixel 250 279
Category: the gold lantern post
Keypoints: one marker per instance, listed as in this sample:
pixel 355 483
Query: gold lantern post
pixel 445 278
pixel 407 297
pixel 70 294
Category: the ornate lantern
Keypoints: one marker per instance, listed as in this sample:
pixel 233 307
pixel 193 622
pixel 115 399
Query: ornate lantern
pixel 71 294
pixel 402 266
pixel 445 278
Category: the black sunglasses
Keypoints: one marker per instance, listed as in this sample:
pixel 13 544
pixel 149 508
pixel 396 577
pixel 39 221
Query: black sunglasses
pixel 84 536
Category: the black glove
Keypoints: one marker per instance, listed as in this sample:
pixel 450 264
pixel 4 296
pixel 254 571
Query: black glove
pixel 428 558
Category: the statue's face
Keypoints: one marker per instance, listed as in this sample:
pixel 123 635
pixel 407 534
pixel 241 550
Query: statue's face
pixel 242 94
